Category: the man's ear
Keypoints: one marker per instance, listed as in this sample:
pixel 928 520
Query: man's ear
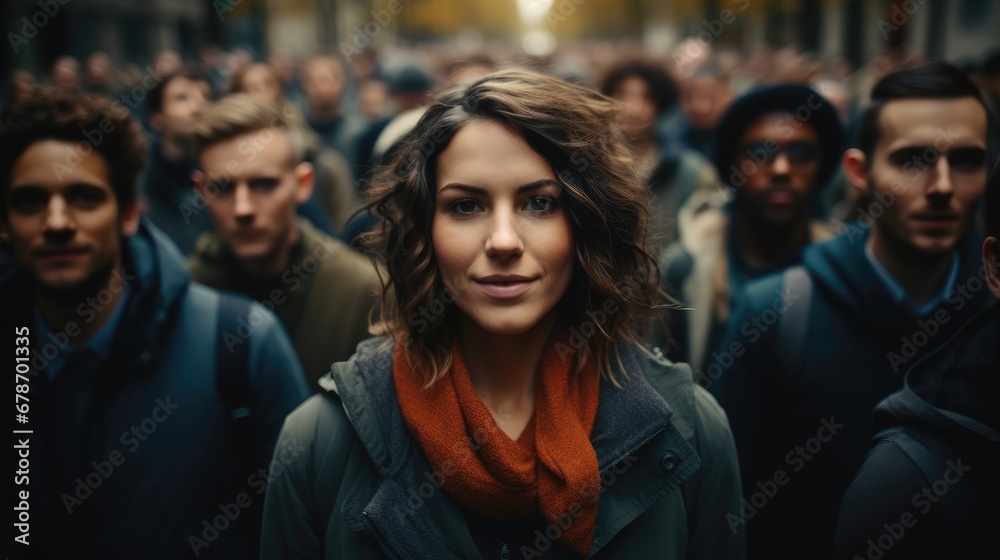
pixel 200 181
pixel 991 264
pixel 130 220
pixel 305 176
pixel 854 163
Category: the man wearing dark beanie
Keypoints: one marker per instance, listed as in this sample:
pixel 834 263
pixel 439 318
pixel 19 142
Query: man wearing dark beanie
pixel 775 148
pixel 821 344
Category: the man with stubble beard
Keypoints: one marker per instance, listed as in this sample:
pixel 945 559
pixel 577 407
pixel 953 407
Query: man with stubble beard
pixel 814 350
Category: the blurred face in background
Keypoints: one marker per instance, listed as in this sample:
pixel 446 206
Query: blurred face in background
pixel 167 62
pixel 99 71
pixel 262 82
pixel 183 102
pixel 66 231
pixel 705 98
pixel 639 113
pixel 66 74
pixel 22 85
pixel 374 99
pixel 323 83
pixel 780 157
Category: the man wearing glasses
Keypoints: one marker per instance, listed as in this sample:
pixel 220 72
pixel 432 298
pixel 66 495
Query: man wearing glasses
pixel 775 148
pixel 861 310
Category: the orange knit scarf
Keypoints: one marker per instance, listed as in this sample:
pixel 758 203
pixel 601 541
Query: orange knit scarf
pixel 487 472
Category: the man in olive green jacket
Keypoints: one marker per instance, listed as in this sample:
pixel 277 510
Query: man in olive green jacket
pixel 252 177
pixel 347 480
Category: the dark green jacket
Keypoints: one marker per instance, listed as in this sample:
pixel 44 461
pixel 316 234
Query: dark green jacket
pixel 351 483
pixel 323 296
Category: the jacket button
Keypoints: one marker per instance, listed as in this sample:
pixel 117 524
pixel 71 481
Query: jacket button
pixel 668 462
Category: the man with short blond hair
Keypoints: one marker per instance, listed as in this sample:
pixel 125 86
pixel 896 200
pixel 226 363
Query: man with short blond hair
pixel 252 177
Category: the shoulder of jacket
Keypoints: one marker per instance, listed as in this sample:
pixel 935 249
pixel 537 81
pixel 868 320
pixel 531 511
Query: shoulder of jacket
pixel 697 414
pixel 259 324
pixel 321 425
pixel 322 413
pixel 336 256
pixel 201 300
pixel 711 425
pixel 761 292
pixel 206 262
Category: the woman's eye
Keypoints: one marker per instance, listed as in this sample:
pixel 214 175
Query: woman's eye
pixel 464 206
pixel 540 204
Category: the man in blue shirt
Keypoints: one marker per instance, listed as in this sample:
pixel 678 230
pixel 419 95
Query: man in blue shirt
pixel 150 404
pixel 814 349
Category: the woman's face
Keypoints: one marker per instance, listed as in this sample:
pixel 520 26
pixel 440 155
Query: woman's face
pixel 501 235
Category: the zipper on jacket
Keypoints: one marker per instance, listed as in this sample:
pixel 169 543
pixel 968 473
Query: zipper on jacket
pixel 633 450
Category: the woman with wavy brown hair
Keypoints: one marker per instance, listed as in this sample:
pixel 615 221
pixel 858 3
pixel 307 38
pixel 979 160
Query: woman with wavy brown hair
pixel 509 409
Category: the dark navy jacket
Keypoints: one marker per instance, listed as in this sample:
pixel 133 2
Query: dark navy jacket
pixel 135 456
pixel 812 419
pixel 940 432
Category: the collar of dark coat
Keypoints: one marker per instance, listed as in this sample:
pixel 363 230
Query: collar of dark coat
pixel 641 443
pixel 158 280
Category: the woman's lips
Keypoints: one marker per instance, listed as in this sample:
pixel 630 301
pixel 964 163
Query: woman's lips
pixel 505 290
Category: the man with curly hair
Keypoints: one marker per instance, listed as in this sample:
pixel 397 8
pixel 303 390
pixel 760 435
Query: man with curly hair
pixel 151 404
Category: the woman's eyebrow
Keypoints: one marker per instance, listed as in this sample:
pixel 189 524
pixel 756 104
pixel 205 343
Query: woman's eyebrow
pixel 477 190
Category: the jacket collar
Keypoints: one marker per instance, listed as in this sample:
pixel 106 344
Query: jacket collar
pixel 956 371
pixel 154 272
pixel 641 447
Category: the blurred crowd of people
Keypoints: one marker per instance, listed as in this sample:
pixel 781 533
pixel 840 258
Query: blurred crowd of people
pixel 769 182
pixel 672 104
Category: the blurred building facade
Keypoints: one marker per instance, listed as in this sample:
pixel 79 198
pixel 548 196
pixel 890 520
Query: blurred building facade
pixel 39 31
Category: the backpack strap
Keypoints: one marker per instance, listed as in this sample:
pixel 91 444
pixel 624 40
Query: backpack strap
pixel 933 456
pixel 793 324
pixel 232 364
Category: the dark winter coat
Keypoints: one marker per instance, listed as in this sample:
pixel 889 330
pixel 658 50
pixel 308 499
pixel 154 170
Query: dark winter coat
pixel 799 377
pixel 357 486
pixel 135 456
pixel 930 485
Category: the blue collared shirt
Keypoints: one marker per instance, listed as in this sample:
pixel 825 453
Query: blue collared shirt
pixel 901 296
pixel 99 344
